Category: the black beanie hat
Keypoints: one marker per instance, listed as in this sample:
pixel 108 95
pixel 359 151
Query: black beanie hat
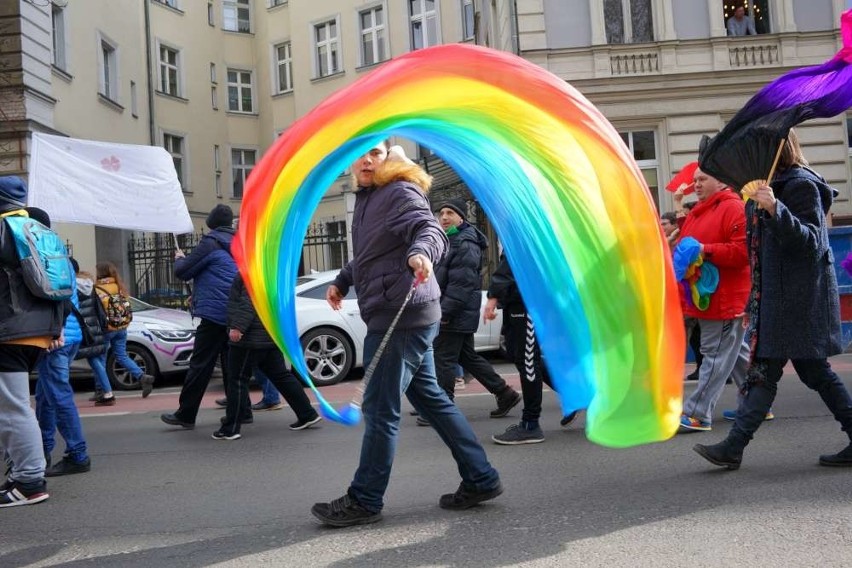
pixel 457 205
pixel 221 216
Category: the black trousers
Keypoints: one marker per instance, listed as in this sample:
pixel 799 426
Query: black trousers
pixel 211 339
pixel 526 355
pixel 241 361
pixel 761 389
pixel 453 347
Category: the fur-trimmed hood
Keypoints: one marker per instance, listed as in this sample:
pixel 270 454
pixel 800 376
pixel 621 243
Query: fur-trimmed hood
pixel 395 170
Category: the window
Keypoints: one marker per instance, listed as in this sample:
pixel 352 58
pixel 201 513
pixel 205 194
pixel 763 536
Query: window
pixel 240 97
pixel 643 146
pixel 108 70
pixel 755 11
pixel 326 48
pixel 217 171
pixel 169 71
pixel 424 23
pixel 242 162
pixel 274 3
pixel 213 73
pixel 373 42
pixel 236 16
pixel 284 68
pixel 174 145
pixel 169 3
pixel 467 19
pixel 214 97
pixel 211 16
pixel 628 21
pixel 336 248
pixel 59 52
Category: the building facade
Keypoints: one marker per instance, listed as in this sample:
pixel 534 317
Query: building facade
pixel 666 72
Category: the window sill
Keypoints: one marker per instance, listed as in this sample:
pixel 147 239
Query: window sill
pixel 237 32
pixel 172 97
pixel 282 94
pixel 276 7
pixel 169 8
pixel 110 103
pixel 62 73
pixel 243 114
pixel 335 75
pixel 371 66
pixel 233 199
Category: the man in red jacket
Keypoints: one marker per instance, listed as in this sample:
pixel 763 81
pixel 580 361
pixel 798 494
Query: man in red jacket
pixel 718 223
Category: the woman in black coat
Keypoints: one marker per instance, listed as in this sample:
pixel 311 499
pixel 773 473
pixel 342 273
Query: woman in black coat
pixel 793 312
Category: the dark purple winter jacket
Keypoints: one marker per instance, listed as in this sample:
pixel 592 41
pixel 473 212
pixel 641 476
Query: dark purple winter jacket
pixel 390 224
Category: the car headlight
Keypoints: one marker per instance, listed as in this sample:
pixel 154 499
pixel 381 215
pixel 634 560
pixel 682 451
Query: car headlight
pixel 173 335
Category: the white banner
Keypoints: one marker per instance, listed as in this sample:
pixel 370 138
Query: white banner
pixel 124 186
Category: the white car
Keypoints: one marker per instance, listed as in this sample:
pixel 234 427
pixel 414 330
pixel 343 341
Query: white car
pixel 333 341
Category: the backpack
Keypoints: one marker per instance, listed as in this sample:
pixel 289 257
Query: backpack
pixel 45 264
pixel 119 313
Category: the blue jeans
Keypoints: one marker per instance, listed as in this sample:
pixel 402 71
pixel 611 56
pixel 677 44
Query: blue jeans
pixel 55 407
pixel 98 365
pixel 270 393
pixel 117 341
pixel 407 366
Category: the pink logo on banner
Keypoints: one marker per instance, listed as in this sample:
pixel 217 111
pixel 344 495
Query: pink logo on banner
pixel 111 164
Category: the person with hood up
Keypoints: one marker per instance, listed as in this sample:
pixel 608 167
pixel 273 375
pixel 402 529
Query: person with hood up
pixel 459 277
pixel 212 269
pixel 396 241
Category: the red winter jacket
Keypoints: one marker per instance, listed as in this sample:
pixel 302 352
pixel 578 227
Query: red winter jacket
pixel 718 223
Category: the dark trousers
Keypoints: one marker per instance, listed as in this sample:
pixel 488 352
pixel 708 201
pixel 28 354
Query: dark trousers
pixel 453 347
pixel 527 358
pixel 241 361
pixel 761 390
pixel 211 339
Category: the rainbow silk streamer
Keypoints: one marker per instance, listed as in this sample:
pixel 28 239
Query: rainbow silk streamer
pixel 572 209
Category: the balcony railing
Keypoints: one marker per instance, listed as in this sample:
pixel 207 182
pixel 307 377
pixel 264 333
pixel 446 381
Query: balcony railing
pixel 634 63
pixel 753 55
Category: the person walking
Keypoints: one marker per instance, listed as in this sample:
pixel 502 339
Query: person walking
pixel 212 268
pixel 28 326
pixel 397 241
pixel 459 278
pixel 793 311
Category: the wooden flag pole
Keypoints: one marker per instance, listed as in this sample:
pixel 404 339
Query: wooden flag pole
pixel 775 161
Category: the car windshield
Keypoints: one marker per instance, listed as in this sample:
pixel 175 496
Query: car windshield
pixel 139 306
pixel 304 280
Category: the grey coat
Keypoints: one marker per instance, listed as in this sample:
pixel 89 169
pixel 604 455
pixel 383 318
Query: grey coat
pixel 799 304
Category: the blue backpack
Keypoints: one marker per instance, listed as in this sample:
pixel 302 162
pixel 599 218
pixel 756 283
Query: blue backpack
pixel 45 264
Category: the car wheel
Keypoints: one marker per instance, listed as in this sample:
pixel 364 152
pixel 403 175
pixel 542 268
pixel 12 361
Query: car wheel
pixel 120 377
pixel 328 354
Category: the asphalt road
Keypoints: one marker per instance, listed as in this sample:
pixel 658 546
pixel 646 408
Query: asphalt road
pixel 160 496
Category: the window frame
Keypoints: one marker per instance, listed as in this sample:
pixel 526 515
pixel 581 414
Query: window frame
pixel 108 63
pixel 646 164
pixel 239 86
pixel 236 5
pixel 183 176
pixel 174 4
pixel 422 17
pixel 245 174
pixel 464 20
pixel 287 62
pixel 178 68
pixel 316 45
pixel 217 170
pixel 627 24
pixel 59 35
pixel 374 31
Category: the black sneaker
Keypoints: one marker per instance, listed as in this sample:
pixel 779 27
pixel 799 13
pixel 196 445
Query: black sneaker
pixel 516 434
pixel 97 394
pixel 569 418
pixel 249 420
pixel 843 458
pixel 505 403
pixel 147 382
pixel 221 402
pixel 267 405
pixel 68 467
pixel 422 421
pixel 104 400
pixel 222 435
pixel 14 494
pixel 173 420
pixel 344 512
pixel 303 424
pixel 464 498
pixel 722 454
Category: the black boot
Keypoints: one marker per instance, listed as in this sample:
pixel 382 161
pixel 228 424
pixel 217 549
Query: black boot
pixel 724 454
pixel 506 401
pixel 843 458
